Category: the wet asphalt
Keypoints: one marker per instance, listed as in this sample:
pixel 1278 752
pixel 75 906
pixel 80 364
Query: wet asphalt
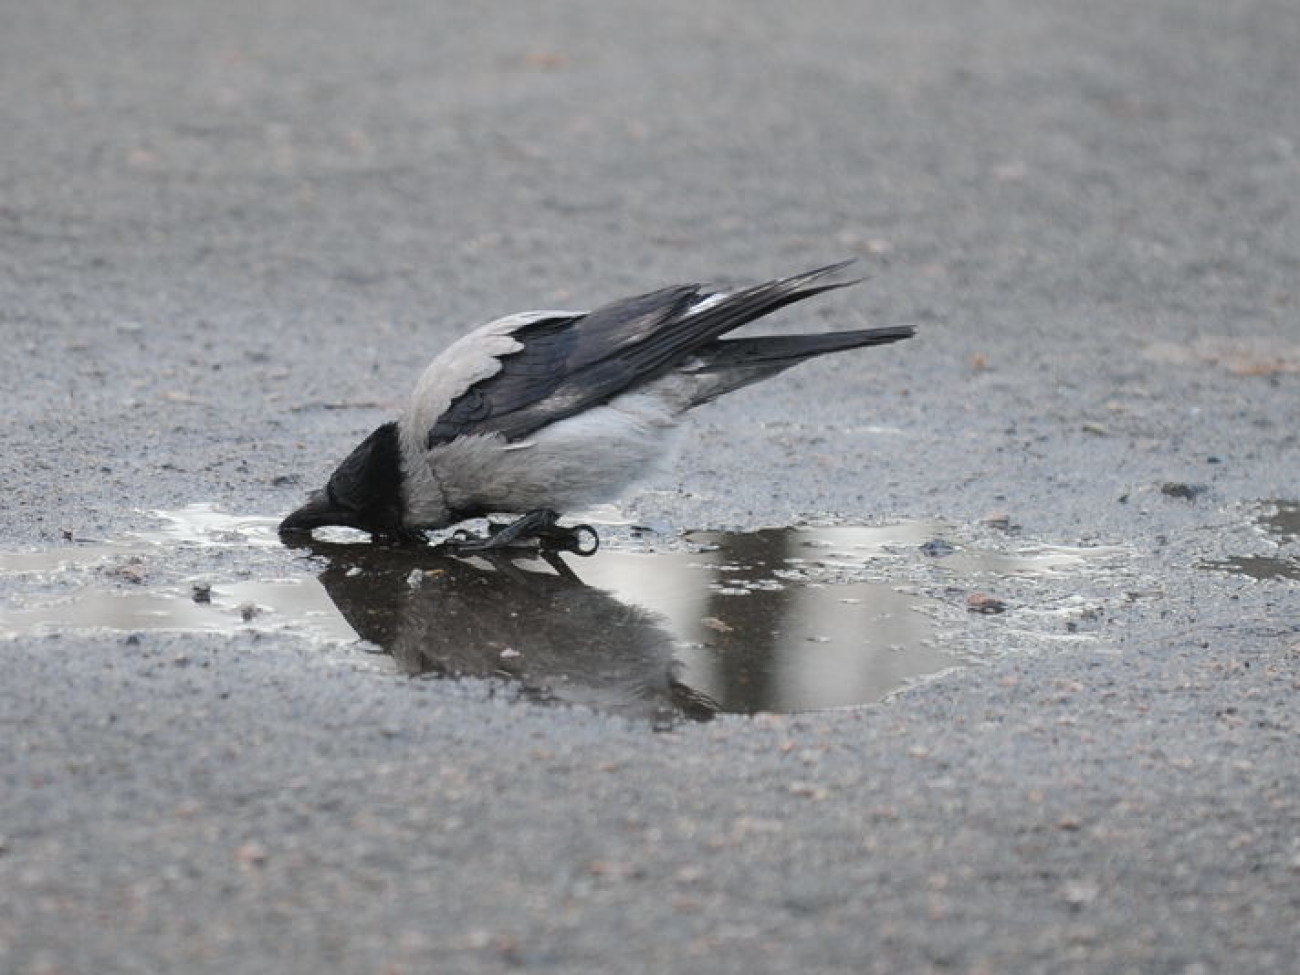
pixel 230 237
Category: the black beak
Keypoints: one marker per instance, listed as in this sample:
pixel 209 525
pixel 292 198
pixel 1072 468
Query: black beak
pixel 316 513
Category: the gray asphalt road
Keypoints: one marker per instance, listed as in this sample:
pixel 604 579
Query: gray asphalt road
pixel 230 236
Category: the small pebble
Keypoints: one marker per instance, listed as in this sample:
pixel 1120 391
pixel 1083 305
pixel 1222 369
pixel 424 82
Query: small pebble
pixel 938 548
pixel 984 604
pixel 251 854
pixel 1179 489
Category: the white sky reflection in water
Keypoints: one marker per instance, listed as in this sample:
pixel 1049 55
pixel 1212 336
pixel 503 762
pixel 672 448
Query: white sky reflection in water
pixel 774 620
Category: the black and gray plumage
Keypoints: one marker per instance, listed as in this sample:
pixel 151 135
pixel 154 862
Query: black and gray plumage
pixel 549 411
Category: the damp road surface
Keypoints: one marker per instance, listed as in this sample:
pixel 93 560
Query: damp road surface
pixel 977 653
pixel 775 620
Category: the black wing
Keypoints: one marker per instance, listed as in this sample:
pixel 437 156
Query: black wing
pixel 567 365
pixel 526 377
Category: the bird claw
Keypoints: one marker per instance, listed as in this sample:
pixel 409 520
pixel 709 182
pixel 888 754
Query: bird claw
pixel 561 539
pixel 537 531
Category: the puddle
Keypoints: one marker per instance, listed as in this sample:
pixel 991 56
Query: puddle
pixel 1279 524
pixel 196 524
pixel 716 630
pixel 780 620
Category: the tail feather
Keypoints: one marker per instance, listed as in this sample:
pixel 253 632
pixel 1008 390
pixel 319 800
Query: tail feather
pixel 727 364
pixel 681 327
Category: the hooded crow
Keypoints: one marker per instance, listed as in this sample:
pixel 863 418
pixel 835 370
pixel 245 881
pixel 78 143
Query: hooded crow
pixel 545 411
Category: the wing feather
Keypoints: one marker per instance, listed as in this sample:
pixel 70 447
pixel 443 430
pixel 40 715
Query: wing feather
pixel 563 365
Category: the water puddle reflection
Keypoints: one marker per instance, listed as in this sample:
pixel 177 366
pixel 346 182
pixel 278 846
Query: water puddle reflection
pixel 782 620
pixel 1279 523
pixel 716 630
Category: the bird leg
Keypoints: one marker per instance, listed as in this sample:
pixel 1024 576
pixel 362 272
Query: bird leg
pixel 537 529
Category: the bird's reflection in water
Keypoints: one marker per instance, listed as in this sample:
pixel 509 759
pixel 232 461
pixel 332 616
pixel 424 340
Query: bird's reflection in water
pixel 738 624
pixel 534 623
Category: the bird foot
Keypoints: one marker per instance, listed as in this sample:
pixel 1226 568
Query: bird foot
pixel 535 531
